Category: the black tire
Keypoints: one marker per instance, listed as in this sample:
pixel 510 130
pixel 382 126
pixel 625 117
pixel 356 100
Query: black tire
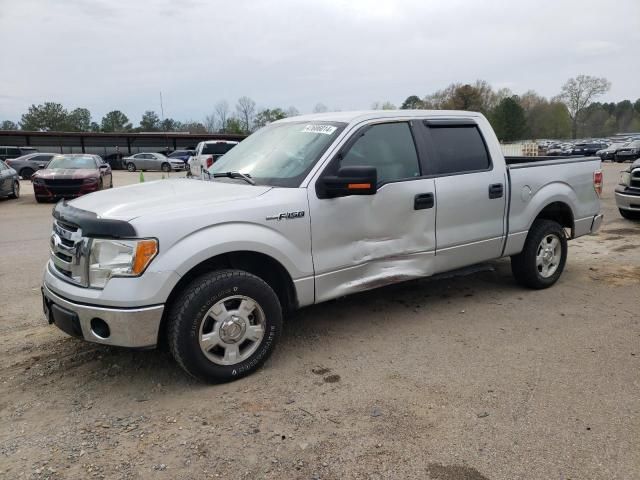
pixel 187 313
pixel 523 265
pixel 100 184
pixel 26 173
pixel 165 167
pixel 131 167
pixel 16 190
pixel 40 200
pixel 629 214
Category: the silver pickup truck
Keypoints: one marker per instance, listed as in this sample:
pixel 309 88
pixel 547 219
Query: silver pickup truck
pixel 305 210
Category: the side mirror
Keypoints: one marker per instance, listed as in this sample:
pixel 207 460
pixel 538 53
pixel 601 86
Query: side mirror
pixel 103 166
pixel 357 180
pixel 42 167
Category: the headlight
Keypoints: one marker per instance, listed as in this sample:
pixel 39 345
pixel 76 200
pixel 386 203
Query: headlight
pixel 625 178
pixel 119 258
pixel 37 181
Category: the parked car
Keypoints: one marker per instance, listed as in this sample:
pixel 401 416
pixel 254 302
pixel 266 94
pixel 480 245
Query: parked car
pixel 207 153
pixel 628 192
pixel 587 149
pixel 70 176
pixel 212 264
pixel 27 165
pixel 152 161
pixel 9 181
pixel 631 151
pixel 183 155
pixel 15 152
pixel 115 160
pixel 609 153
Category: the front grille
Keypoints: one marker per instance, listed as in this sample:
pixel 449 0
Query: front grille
pixel 69 252
pixel 63 186
pixel 635 179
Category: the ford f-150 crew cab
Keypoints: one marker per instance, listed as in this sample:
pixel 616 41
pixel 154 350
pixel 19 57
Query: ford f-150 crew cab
pixel 305 210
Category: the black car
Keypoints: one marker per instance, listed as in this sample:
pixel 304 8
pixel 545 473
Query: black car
pixel 9 182
pixel 15 152
pixel 630 151
pixel 587 149
pixel 114 160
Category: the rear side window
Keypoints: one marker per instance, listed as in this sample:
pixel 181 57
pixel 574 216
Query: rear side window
pixel 14 152
pixel 459 148
pixel 42 158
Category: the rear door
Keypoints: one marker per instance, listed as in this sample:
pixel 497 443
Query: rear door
pixel 5 179
pixel 470 194
pixel 39 161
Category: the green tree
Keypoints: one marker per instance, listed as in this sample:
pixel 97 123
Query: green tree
pixel 45 117
pixel 169 125
pixel 267 115
pixel 577 93
pixel 115 121
pixel 78 120
pixel 9 125
pixel 387 105
pixel 234 126
pixel 508 120
pixel 94 127
pixel 192 126
pixel 150 121
pixel 412 102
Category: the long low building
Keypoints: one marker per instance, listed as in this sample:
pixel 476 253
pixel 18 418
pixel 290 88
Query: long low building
pixel 106 143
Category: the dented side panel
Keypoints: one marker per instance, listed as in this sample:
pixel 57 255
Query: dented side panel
pixel 362 242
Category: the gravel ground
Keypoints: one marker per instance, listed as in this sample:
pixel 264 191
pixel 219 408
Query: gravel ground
pixel 464 378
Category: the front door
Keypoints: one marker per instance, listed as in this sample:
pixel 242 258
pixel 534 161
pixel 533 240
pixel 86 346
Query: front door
pixel 471 193
pixel 365 241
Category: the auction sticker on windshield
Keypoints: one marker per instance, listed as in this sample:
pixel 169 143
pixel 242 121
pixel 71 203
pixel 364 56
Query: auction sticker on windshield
pixel 324 129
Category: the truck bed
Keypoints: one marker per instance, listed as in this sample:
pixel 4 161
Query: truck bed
pixel 523 162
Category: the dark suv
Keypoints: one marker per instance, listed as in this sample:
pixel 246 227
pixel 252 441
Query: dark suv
pixel 587 149
pixel 15 152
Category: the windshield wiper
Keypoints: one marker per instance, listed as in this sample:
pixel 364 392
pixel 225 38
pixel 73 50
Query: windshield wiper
pixel 243 176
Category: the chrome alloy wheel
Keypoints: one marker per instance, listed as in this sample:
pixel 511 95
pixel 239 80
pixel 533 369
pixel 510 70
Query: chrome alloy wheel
pixel 232 330
pixel 548 255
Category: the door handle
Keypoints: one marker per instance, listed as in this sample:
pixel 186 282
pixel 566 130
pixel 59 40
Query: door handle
pixel 423 201
pixel 496 190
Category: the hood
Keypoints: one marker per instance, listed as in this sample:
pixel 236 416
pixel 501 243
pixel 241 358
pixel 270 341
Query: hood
pixel 67 173
pixel 162 196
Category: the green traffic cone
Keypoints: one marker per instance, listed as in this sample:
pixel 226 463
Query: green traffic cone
pixel 162 177
pixel 141 177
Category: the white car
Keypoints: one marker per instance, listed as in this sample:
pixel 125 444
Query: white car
pixel 152 161
pixel 207 153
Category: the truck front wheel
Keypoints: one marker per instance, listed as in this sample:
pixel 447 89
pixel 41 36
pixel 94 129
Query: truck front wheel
pixel 224 325
pixel 543 257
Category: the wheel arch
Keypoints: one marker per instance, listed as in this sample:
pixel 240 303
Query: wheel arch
pixel 259 264
pixel 559 212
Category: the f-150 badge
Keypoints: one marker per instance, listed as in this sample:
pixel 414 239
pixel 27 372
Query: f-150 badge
pixel 286 216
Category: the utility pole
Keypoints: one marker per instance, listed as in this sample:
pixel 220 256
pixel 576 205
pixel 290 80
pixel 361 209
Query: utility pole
pixel 166 139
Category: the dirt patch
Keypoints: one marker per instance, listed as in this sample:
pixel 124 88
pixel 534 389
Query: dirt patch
pixel 453 472
pixel 332 379
pixel 624 248
pixel 622 231
pixel 619 276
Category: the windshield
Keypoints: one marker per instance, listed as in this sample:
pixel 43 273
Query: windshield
pixel 61 161
pixel 280 154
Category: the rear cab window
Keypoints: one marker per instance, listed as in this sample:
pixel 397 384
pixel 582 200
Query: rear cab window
pixel 217 148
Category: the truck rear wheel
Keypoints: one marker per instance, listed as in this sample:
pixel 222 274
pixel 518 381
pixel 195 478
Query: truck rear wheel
pixel 543 257
pixel 224 325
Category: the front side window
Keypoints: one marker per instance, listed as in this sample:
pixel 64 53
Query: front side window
pixel 459 148
pixel 389 147
pixel 280 154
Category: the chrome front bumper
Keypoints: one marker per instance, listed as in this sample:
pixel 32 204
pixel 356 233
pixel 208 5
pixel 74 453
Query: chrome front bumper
pixel 627 202
pixel 130 327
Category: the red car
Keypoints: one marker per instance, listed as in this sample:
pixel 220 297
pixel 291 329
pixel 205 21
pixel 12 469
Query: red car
pixel 70 176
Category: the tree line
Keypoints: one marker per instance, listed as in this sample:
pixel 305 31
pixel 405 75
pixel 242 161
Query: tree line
pixel 572 113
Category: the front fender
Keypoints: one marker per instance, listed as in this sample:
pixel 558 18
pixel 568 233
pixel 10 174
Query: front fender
pixel 219 239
